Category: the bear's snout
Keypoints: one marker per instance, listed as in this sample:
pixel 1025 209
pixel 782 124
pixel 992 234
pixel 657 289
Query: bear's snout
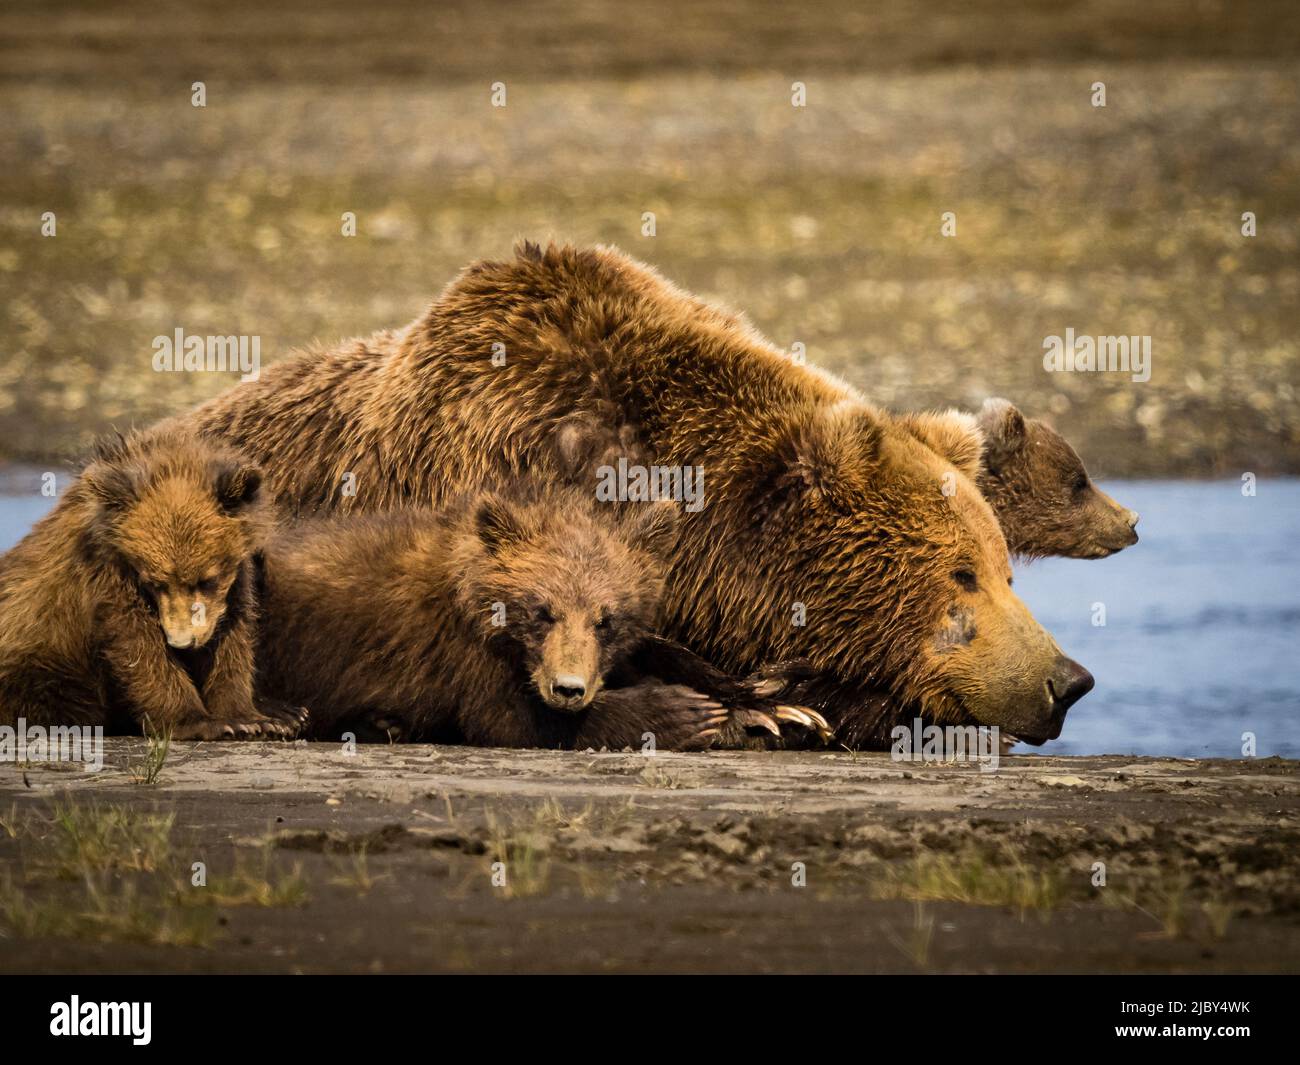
pixel 567 690
pixel 1115 527
pixel 1068 683
pixel 1131 518
pixel 568 672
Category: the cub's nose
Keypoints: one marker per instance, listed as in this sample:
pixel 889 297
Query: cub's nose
pixel 568 687
pixel 1070 683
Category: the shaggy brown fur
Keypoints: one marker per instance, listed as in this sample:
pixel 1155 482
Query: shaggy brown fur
pixel 500 622
pixel 833 531
pixel 1041 493
pixel 131 603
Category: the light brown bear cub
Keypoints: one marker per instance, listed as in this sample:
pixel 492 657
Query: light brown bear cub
pixel 131 604
pixel 1045 501
pixel 503 621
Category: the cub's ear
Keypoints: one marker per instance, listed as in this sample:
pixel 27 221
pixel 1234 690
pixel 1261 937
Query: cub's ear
pixel 114 485
pixel 497 524
pixel 1004 431
pixel 953 435
pixel 237 486
pixel 654 526
pixel 824 455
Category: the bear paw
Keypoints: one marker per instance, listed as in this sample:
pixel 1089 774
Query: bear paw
pixel 274 721
pixel 683 719
pixel 679 718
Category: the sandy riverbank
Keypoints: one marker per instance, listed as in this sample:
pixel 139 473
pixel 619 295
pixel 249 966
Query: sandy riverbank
pixel 618 862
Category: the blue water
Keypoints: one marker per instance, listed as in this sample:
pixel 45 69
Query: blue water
pixel 1201 641
pixel 1202 634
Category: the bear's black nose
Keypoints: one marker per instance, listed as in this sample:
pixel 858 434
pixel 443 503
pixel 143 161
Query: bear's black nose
pixel 568 688
pixel 1070 683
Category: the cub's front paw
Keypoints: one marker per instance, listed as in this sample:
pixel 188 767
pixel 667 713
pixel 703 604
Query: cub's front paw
pixel 279 723
pixel 682 719
pixel 286 721
pixel 202 728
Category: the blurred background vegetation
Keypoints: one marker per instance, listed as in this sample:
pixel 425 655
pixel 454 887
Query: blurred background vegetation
pixel 822 223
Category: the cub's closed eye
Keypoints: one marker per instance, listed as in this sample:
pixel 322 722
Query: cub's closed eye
pixel 544 615
pixel 966 578
pixel 602 622
pixel 209 586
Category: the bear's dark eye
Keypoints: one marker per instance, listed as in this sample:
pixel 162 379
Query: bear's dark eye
pixel 209 586
pixel 966 578
pixel 543 615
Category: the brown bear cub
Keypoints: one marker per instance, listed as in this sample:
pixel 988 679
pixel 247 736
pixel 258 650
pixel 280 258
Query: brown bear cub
pixel 1042 495
pixel 131 604
pixel 502 621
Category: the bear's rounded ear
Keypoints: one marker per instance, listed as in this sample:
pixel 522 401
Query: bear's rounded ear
pixel 497 524
pixel 1004 430
pixel 114 477
pixel 827 454
pixel 654 526
pixel 237 485
pixel 114 485
pixel 952 435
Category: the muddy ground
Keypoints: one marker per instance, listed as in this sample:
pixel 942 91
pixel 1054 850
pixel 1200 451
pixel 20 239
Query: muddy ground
pixel 387 861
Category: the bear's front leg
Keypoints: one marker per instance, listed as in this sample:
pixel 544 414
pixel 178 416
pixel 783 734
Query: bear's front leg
pixel 228 694
pixel 492 718
pixel 159 693
pixel 677 717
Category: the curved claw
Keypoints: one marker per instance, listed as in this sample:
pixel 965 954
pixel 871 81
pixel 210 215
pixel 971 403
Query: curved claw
pixel 793 713
pixel 809 719
pixel 748 719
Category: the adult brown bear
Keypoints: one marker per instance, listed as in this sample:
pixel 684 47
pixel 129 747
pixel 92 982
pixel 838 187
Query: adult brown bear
pixel 832 531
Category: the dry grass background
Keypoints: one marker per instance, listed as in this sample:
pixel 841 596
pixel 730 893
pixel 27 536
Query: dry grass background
pixel 822 223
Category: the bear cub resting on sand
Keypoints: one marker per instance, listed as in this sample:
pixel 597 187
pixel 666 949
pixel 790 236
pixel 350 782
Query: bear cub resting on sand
pixel 498 622
pixel 130 605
